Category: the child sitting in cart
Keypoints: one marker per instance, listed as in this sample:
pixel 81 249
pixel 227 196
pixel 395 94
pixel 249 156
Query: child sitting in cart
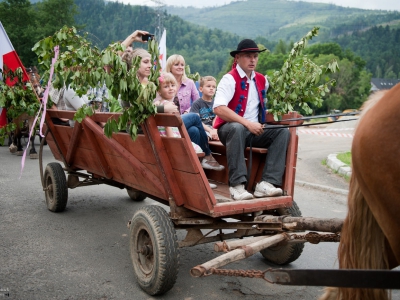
pixel 167 91
pixel 204 106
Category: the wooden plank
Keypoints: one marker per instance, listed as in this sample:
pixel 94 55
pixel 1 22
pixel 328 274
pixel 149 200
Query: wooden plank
pixel 85 159
pixel 177 150
pixel 195 192
pixel 237 254
pixel 91 137
pixel 140 148
pixel 61 114
pixel 76 134
pixel 163 160
pixel 129 158
pixel 61 149
pixel 246 206
pixel 291 156
pixel 171 120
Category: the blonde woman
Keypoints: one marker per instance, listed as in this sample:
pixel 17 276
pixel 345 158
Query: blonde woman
pixel 187 91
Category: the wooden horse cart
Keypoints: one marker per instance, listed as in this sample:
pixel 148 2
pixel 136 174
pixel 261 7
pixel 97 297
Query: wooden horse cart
pixel 168 170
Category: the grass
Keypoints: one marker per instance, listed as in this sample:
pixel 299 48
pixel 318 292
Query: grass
pixel 317 120
pixel 345 158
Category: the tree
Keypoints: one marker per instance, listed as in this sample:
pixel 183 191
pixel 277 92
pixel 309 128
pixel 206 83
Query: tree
pixel 16 17
pixel 280 48
pixel 325 48
pixel 353 83
pixel 26 23
pixel 51 15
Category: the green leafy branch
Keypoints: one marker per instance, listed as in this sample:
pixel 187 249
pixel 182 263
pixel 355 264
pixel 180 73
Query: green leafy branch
pixel 195 77
pixel 18 98
pixel 297 84
pixel 82 66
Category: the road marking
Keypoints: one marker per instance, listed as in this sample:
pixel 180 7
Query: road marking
pixel 326 133
pixel 330 129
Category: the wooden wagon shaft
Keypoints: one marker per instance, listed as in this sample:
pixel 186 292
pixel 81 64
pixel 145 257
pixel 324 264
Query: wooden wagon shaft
pixel 271 223
pixel 304 223
pixel 312 237
pixel 237 254
pixel 232 245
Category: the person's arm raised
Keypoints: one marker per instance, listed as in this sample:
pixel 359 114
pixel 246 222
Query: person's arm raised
pixel 135 36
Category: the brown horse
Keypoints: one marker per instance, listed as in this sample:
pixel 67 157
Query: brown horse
pixel 370 237
pixel 24 122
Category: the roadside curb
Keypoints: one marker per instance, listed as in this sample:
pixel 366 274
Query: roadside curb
pixel 338 165
pixel 322 187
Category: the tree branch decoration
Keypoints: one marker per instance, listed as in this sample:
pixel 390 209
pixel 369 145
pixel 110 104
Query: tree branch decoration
pixel 82 66
pixel 18 98
pixel 297 84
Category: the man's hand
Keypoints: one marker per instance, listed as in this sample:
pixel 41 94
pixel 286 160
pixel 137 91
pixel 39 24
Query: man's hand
pixel 255 128
pixel 171 108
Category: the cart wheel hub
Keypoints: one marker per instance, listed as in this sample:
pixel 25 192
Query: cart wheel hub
pixel 146 250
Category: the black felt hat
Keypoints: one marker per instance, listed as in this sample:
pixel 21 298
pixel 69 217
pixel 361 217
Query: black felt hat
pixel 246 45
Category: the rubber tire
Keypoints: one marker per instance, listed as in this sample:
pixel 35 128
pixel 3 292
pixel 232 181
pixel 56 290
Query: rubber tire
pixel 284 254
pixel 157 273
pixel 135 195
pixel 57 194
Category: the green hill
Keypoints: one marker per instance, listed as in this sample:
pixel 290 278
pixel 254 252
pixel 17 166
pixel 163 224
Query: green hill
pixel 373 35
pixel 282 19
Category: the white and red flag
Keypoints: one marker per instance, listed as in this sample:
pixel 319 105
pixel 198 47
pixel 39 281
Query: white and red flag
pixel 162 50
pixel 8 57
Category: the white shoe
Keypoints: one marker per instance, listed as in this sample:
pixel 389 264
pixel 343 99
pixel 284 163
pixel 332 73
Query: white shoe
pixel 239 193
pixel 265 189
pixel 212 185
pixel 205 164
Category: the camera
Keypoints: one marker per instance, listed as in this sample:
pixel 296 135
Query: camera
pixel 147 37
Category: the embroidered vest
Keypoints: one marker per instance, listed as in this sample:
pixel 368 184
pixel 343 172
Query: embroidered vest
pixel 239 99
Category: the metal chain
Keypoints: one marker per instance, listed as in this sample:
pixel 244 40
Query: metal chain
pixel 311 237
pixel 315 238
pixel 237 273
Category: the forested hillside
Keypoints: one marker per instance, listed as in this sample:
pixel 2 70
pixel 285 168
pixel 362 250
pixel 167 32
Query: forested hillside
pixel 379 47
pixel 281 19
pixel 205 50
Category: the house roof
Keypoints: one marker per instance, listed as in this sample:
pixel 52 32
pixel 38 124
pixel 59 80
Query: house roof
pixel 383 83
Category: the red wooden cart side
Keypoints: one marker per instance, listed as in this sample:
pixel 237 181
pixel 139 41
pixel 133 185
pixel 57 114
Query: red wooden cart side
pixel 162 167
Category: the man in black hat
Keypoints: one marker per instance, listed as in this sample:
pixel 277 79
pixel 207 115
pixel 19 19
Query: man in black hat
pixel 240 106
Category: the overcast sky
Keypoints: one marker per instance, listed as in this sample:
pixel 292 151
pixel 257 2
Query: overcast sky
pixel 366 4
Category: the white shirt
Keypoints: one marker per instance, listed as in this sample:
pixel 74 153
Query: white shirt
pixel 226 90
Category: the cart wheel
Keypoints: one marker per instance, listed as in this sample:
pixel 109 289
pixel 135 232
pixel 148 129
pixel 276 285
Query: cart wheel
pixel 135 195
pixel 154 250
pixel 285 253
pixel 56 187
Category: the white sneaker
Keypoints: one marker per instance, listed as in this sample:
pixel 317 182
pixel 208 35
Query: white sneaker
pixel 212 185
pixel 239 193
pixel 265 189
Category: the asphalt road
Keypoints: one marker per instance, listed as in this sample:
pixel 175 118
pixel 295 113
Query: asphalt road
pixel 83 253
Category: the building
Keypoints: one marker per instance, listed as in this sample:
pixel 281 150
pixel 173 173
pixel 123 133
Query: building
pixel 378 84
